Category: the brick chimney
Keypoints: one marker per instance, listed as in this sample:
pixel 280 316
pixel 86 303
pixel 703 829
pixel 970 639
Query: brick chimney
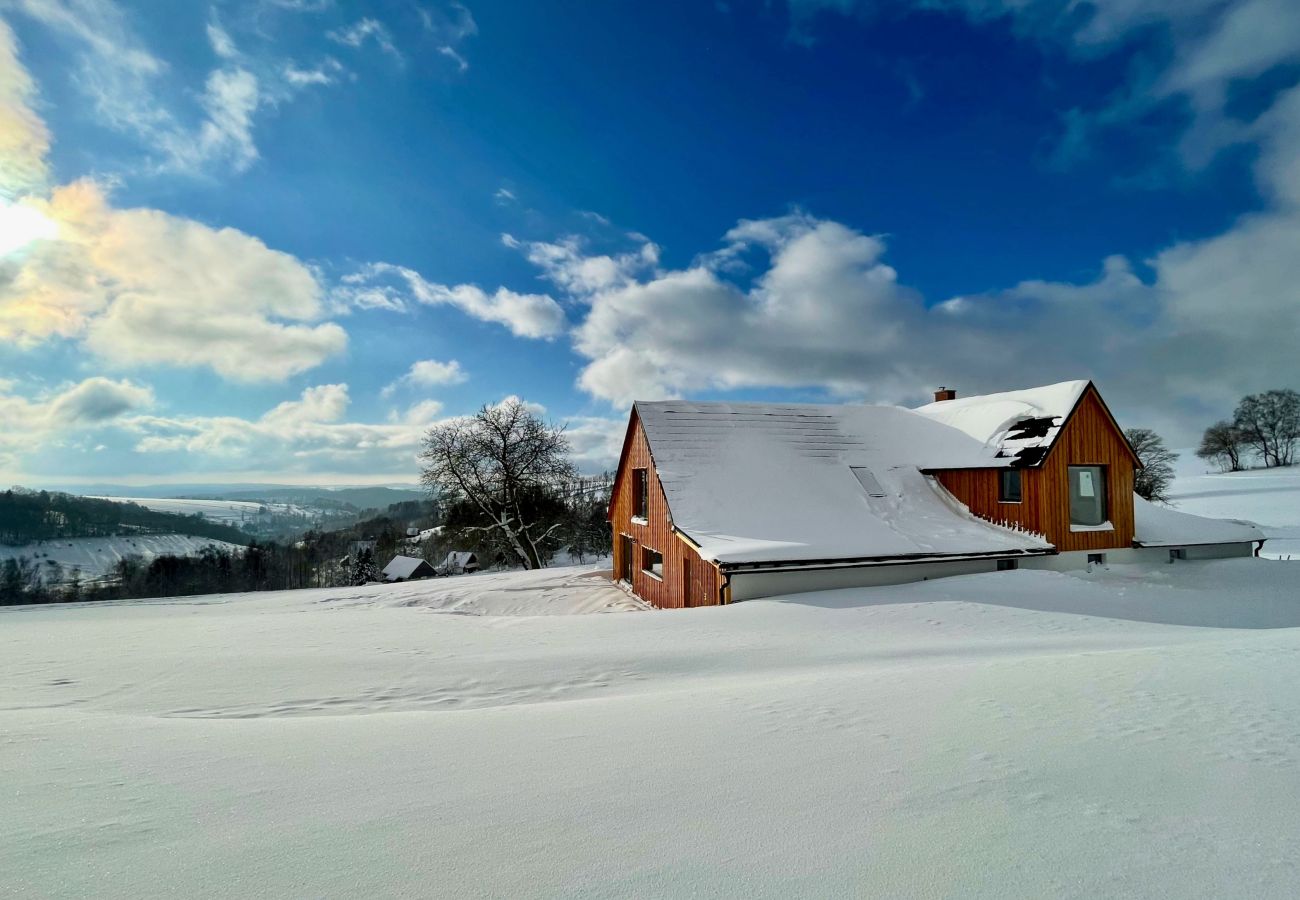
pixel 945 394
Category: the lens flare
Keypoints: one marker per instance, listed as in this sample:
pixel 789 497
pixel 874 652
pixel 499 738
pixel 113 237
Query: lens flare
pixel 21 225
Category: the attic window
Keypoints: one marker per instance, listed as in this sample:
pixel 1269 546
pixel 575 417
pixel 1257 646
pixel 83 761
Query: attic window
pixel 1009 490
pixel 868 481
pixel 641 493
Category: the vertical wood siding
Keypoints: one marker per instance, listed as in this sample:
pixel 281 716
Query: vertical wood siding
pixel 1090 438
pixel 683 566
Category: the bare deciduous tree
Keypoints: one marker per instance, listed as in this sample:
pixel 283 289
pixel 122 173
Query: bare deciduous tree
pixel 1270 422
pixel 1223 445
pixel 1152 481
pixel 498 460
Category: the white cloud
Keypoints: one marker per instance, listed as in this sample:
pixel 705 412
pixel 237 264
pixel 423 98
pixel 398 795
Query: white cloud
pixel 25 424
pixel 504 196
pixel 139 286
pixel 120 75
pixel 384 285
pixel 306 435
pixel 221 42
pixel 564 263
pixel 462 65
pixel 429 373
pixel 24 139
pixel 363 30
pixel 328 72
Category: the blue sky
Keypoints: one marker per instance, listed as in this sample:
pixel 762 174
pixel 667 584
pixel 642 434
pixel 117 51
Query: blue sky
pixel 276 239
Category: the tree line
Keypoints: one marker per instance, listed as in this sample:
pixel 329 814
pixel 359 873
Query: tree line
pixel 28 516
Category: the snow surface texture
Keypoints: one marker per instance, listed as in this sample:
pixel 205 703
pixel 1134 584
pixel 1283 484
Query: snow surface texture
pixel 989 418
pixel 1269 497
pixel 1021 734
pixel 749 481
pixel 96 556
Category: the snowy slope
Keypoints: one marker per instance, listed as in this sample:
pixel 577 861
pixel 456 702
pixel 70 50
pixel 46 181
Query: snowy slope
pixel 94 557
pixel 1028 734
pixel 1270 497
pixel 230 512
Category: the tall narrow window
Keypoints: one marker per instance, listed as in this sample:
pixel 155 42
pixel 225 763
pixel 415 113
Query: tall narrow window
pixel 1087 495
pixel 641 493
pixel 1009 486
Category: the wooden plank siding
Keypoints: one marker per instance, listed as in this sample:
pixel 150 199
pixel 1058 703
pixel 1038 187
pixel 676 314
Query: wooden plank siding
pixel 687 579
pixel 1089 438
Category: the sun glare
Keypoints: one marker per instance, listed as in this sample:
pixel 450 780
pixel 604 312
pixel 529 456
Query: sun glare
pixel 21 225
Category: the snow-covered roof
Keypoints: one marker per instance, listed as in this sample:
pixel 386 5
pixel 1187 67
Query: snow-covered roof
pixel 1015 425
pixel 401 567
pixel 753 482
pixel 1160 526
pixel 460 558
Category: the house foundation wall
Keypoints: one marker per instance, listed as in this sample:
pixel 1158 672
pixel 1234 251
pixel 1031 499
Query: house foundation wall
pixel 1073 561
pixel 755 585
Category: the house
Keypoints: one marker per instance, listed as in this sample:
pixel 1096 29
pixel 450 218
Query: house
pixel 459 562
pixel 719 502
pixel 407 568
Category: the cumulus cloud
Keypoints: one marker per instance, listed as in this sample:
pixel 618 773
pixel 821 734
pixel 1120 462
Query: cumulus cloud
pixel 388 286
pixel 309 434
pixel 429 373
pixel 26 424
pixel 796 301
pixel 140 286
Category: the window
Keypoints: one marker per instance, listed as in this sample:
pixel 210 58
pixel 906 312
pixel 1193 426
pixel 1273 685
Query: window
pixel 641 493
pixel 1096 559
pixel 1087 495
pixel 868 481
pixel 652 562
pixel 1008 565
pixel 1009 486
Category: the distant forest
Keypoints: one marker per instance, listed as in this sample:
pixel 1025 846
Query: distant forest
pixel 28 516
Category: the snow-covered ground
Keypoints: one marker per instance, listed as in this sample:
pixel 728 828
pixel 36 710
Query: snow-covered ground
pixel 1127 733
pixel 94 557
pixel 1270 497
pixel 230 512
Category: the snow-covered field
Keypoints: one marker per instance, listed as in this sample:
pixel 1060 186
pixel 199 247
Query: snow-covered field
pixel 94 557
pixel 1029 734
pixel 1270 497
pixel 230 512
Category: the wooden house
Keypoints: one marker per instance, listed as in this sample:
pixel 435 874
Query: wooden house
pixel 718 502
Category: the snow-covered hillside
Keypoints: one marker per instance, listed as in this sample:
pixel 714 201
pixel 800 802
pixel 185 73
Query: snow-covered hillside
pixel 229 512
pixel 1029 734
pixel 95 556
pixel 1270 497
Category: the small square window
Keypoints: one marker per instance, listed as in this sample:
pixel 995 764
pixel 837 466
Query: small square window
pixel 1009 486
pixel 1096 559
pixel 652 562
pixel 1008 565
